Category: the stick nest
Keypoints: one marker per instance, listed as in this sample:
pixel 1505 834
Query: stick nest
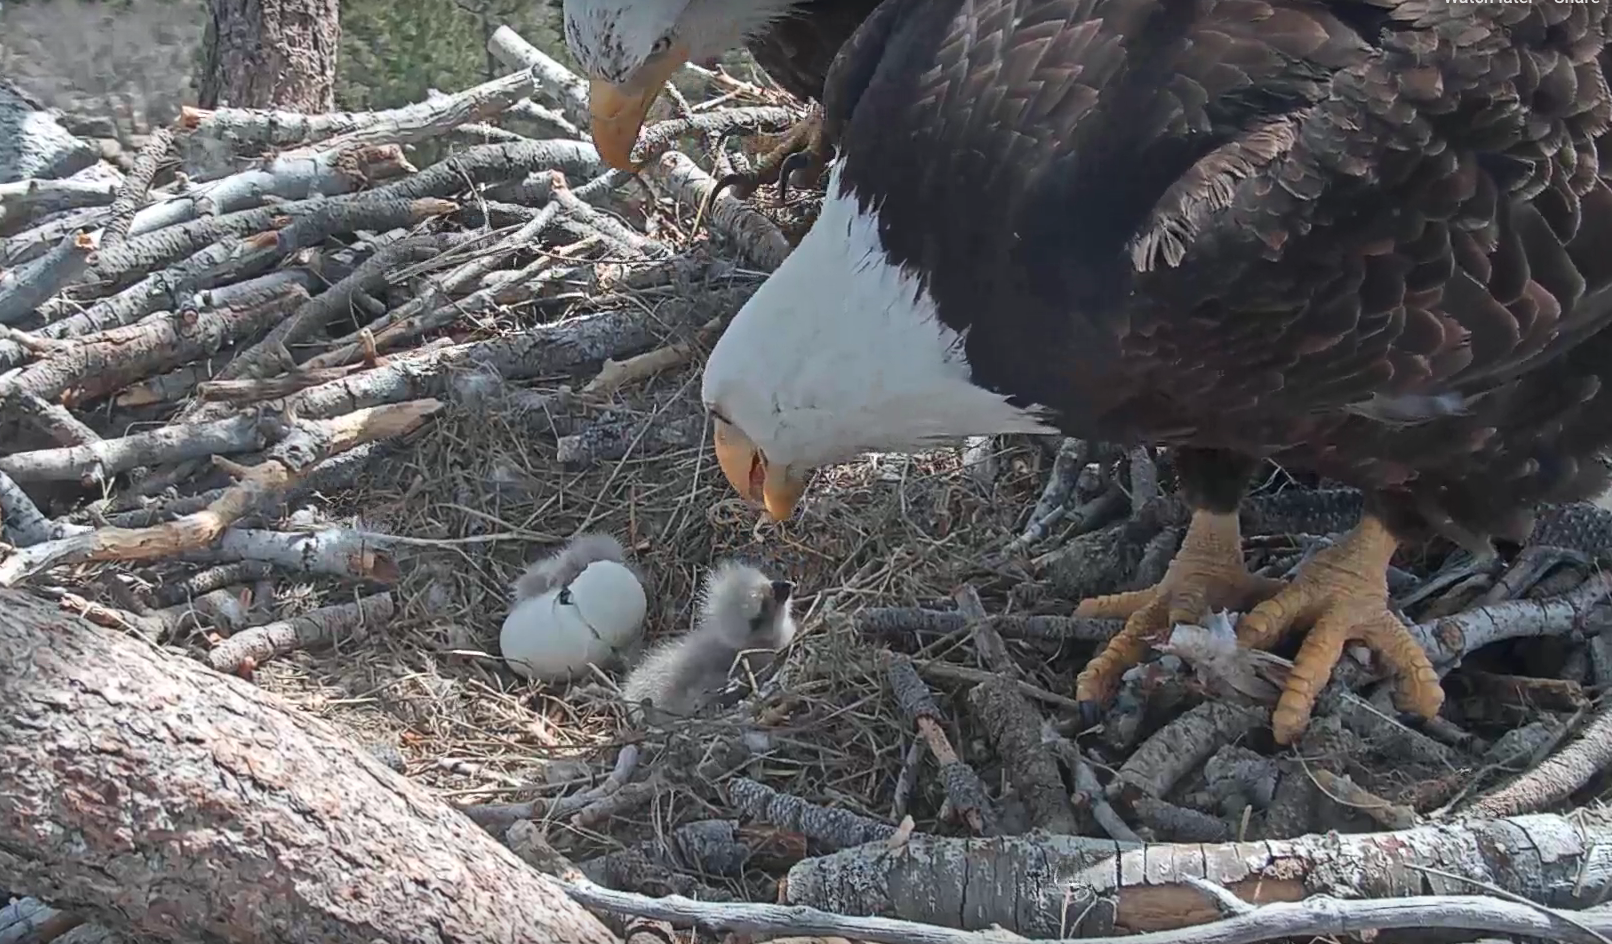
pixel 310 391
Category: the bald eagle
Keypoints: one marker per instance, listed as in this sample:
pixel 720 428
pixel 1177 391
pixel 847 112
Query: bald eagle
pixel 1371 239
pixel 629 48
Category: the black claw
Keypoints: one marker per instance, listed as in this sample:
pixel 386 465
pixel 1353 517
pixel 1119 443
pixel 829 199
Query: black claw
pixel 745 182
pixel 787 166
pixel 1091 714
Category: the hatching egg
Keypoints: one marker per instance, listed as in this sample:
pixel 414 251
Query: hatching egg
pixel 555 635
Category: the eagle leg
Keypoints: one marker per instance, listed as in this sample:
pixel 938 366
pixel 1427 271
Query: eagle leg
pixel 1207 573
pixel 803 147
pixel 1342 594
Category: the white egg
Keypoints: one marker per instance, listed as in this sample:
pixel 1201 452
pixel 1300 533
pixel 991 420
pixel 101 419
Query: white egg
pixel 555 635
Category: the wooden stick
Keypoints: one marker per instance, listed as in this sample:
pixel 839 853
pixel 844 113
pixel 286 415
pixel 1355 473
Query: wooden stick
pixel 1321 916
pixel 1105 887
pixel 285 464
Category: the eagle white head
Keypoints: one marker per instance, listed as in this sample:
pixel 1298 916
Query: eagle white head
pixel 841 352
pixel 629 48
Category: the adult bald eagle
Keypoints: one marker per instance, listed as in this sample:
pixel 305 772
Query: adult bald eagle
pixel 1367 238
pixel 629 48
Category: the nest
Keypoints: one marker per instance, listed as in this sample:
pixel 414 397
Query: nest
pixel 410 382
pixel 477 498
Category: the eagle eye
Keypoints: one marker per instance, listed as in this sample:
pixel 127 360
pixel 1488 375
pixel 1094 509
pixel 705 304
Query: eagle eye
pixel 661 45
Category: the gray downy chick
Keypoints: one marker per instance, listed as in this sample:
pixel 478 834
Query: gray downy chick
pixel 566 564
pixel 742 610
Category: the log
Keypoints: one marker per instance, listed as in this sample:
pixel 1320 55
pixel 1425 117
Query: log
pixel 756 237
pixel 1322 917
pixel 33 143
pixel 152 794
pixel 555 80
pixel 1075 886
pixel 242 128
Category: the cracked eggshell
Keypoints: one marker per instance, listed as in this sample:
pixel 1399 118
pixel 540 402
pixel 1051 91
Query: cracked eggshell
pixel 554 636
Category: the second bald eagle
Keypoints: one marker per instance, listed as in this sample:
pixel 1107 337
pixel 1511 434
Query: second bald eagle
pixel 1367 238
pixel 629 48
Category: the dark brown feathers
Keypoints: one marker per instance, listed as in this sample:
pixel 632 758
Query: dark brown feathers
pixel 1372 238
pixel 797 49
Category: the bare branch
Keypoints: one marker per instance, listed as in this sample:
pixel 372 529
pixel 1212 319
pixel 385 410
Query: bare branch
pixel 253 647
pixel 28 286
pixel 246 127
pixel 720 124
pixel 564 87
pixel 301 448
pixel 537 351
pixel 298 176
pixel 1449 639
pixel 1106 887
pixel 30 244
pixel 33 143
pixel 340 552
pixel 1563 773
pixel 834 828
pixel 32 198
pixel 102 363
pixel 755 236
pixel 175 443
pixel 137 186
pixel 307 222
pixel 24 525
pixel 1014 727
pixel 988 642
pixel 551 122
pixel 614 374
pixel 1321 916
pixel 315 312
pixel 1183 744
pixel 964 790
pixel 494 164
pixel 430 309
pixel 223 270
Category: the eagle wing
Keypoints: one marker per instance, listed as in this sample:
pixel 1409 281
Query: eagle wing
pixel 798 48
pixel 1357 231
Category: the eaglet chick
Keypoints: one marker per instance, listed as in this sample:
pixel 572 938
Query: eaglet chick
pixel 568 563
pixel 743 610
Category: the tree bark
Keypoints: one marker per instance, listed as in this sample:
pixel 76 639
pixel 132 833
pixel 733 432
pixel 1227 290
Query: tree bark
pixel 155 795
pixel 32 142
pixel 271 54
pixel 1077 886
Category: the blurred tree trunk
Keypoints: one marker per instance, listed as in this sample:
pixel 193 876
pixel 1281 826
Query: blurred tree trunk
pixel 148 792
pixel 271 54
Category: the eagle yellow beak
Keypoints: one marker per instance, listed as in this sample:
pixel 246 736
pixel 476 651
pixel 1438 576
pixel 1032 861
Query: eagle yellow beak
pixel 749 473
pixel 618 110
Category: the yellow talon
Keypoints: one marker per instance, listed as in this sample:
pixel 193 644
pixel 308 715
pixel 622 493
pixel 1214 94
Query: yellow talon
pixel 1208 573
pixel 1341 594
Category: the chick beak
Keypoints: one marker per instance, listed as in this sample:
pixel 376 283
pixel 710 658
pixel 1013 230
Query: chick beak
pixel 752 476
pixel 618 110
